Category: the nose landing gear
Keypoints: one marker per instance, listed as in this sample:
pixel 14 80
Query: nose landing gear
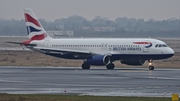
pixel 151 67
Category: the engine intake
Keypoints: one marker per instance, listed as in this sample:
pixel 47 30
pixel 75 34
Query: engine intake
pixel 98 60
pixel 133 62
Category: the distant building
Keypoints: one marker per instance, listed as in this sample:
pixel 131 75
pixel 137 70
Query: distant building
pixel 100 29
pixel 60 34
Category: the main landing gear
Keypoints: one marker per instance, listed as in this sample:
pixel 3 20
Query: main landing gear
pixel 110 66
pixel 151 67
pixel 85 66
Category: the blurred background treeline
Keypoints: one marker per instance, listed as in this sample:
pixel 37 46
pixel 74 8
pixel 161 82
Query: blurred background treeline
pixel 99 27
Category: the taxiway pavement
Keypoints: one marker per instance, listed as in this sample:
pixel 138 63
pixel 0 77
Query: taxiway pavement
pixel 96 81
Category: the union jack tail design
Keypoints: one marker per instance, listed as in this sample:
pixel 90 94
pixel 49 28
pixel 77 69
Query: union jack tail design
pixel 34 28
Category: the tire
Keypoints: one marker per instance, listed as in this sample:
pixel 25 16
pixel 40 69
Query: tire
pixel 151 67
pixel 110 66
pixel 85 66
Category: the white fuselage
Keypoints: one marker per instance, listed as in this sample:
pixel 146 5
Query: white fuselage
pixel 131 46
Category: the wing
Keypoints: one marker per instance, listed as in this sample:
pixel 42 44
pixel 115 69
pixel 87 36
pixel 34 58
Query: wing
pixel 77 53
pixel 61 51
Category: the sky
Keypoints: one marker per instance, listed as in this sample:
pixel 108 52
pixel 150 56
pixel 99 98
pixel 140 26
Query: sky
pixel 112 9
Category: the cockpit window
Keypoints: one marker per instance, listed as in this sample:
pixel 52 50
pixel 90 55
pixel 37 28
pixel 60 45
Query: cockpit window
pixel 164 45
pixel 161 45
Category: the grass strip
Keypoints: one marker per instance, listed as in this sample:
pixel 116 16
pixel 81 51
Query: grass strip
pixel 49 97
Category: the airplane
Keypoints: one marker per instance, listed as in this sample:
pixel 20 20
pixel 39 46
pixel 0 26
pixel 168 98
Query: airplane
pixel 94 51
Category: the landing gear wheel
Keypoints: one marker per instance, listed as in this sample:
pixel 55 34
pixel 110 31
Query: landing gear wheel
pixel 110 66
pixel 151 67
pixel 85 66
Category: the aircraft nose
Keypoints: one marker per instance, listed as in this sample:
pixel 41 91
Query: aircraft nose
pixel 171 51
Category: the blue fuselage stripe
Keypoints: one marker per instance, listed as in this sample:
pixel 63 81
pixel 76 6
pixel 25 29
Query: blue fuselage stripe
pixel 115 57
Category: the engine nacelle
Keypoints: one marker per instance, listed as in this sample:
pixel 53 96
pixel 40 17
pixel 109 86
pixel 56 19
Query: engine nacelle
pixel 133 62
pixel 98 60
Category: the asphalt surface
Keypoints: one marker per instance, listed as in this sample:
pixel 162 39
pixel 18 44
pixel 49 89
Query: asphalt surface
pixel 97 81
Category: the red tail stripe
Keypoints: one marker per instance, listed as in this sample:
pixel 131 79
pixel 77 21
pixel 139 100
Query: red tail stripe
pixel 38 37
pixel 29 18
pixel 26 42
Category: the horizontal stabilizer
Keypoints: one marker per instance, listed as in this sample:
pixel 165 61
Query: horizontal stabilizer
pixel 20 43
pixel 14 42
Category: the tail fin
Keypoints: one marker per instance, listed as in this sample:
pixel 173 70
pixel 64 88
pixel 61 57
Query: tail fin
pixel 34 27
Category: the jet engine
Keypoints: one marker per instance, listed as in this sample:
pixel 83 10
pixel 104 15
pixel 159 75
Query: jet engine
pixel 98 60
